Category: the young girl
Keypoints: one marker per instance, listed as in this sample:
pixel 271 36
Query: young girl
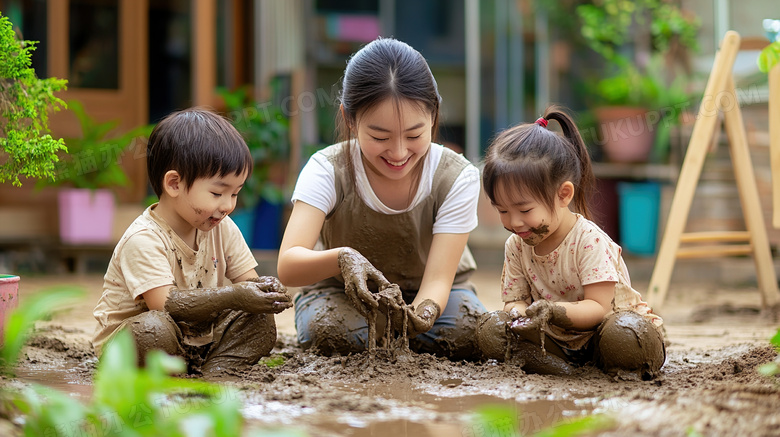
pixel 567 292
pixel 387 206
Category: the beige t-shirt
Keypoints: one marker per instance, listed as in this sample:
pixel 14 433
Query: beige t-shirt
pixel 586 256
pixel 150 255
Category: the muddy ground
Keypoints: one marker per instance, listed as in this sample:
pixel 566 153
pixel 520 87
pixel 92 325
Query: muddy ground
pixel 709 384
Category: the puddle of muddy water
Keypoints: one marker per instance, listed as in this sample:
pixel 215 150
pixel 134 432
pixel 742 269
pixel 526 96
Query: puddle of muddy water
pixel 376 410
pixel 57 378
pixel 405 411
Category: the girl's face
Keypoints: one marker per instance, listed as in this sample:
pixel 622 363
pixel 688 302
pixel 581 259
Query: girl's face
pixel 531 219
pixel 394 137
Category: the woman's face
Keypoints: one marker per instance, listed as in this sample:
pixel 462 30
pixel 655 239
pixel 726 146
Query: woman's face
pixel 394 136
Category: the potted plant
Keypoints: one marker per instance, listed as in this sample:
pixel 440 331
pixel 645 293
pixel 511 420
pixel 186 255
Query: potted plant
pixel 26 147
pixel 265 129
pixel 643 43
pixel 87 174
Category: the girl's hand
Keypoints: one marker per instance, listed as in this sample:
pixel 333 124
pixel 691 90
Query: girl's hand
pixel 356 271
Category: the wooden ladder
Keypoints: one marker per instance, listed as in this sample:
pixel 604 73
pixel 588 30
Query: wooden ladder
pixel 719 97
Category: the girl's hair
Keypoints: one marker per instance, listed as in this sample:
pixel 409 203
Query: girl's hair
pixel 384 69
pixel 197 143
pixel 536 161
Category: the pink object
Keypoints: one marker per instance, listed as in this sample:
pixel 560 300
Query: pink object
pixel 360 28
pixel 86 216
pixel 9 299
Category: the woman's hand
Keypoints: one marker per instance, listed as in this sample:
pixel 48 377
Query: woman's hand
pixel 357 271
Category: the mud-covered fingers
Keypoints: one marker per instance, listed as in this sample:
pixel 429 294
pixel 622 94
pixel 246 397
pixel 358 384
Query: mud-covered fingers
pixel 352 295
pixel 269 284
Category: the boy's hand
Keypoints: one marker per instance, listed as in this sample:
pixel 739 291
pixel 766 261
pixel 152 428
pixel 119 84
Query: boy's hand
pixel 265 296
pixel 356 271
pixel 269 283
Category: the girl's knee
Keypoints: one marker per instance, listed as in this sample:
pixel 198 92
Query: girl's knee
pixel 492 337
pixel 629 345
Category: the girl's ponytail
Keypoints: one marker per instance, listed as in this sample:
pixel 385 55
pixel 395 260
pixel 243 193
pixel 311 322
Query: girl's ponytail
pixel 584 191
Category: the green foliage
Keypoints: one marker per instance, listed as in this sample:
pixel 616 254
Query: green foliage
pixel 773 368
pixel 126 401
pixel 274 361
pixel 22 320
pixel 610 27
pixel 94 159
pixel 504 421
pixel 769 57
pixel 265 130
pixel 25 100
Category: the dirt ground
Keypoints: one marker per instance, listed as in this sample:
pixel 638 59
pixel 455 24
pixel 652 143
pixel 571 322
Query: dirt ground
pixel 709 384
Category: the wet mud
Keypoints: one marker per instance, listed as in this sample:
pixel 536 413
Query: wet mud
pixel 712 392
pixel 709 385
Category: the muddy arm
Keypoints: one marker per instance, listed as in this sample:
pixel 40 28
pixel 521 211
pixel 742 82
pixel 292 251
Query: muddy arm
pixel 265 295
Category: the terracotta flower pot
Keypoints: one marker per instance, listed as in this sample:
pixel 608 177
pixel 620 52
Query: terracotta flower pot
pixel 627 133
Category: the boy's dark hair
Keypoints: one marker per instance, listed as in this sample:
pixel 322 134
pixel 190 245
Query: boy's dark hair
pixel 535 160
pixel 197 143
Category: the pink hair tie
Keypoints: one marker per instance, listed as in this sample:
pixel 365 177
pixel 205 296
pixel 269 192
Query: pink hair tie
pixel 541 122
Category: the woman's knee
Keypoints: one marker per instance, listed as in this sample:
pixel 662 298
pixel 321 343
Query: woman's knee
pixel 454 335
pixel 630 345
pixel 330 325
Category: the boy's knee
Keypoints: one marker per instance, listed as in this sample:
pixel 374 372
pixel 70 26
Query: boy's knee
pixel 630 345
pixel 256 331
pixel 492 337
pixel 154 330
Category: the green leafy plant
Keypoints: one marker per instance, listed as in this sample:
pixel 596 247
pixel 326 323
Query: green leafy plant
pixel 773 368
pixel 26 147
pixel 126 401
pixel 636 75
pixel 94 159
pixel 265 129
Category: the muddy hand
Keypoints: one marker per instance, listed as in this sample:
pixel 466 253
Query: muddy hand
pixel 537 315
pixel 392 305
pixel 357 271
pixel 269 283
pixel 268 296
pixel 422 318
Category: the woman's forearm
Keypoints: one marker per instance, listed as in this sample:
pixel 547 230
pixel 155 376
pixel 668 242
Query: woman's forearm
pixel 299 266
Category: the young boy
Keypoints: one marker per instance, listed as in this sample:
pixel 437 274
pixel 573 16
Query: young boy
pixel 182 279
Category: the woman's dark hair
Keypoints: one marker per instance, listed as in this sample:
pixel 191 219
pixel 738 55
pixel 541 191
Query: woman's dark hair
pixel 197 143
pixel 384 69
pixel 531 158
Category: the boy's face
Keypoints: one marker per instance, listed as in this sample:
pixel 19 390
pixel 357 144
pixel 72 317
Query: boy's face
pixel 209 200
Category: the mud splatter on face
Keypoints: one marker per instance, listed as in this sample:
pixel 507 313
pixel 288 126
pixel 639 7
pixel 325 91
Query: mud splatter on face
pixel 538 234
pixel 542 230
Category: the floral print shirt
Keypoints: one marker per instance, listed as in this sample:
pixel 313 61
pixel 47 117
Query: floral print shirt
pixel 587 255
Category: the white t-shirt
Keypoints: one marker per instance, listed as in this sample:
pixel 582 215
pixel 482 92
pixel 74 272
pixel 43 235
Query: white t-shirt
pixel 457 215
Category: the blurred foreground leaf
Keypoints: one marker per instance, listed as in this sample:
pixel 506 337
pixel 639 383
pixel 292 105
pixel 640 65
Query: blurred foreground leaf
pixel 22 320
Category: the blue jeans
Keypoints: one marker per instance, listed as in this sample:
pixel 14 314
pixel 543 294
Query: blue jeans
pixel 327 321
